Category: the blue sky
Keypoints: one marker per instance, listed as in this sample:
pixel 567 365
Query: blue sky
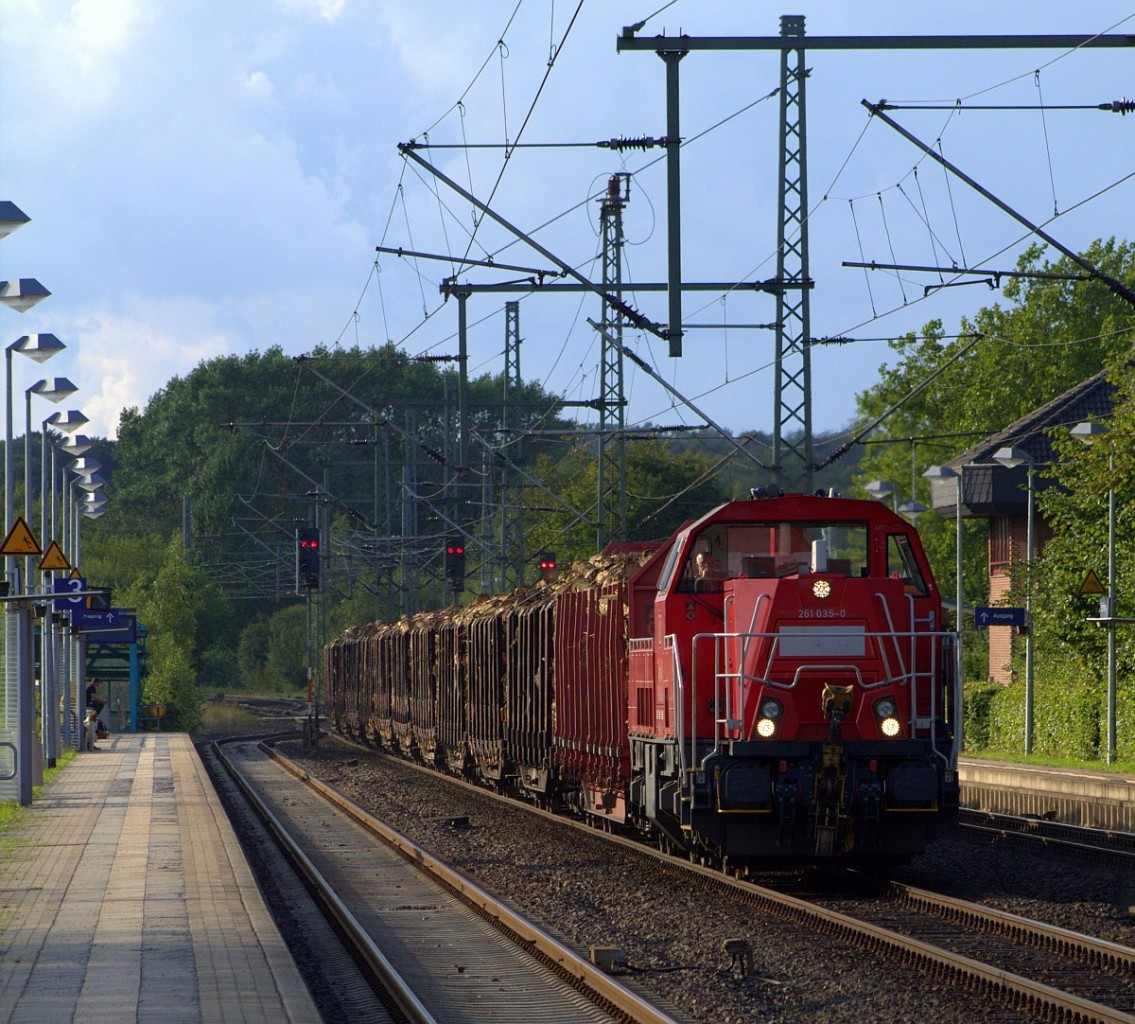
pixel 212 177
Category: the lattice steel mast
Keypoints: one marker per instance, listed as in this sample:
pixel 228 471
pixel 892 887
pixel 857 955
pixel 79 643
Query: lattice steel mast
pixel 612 469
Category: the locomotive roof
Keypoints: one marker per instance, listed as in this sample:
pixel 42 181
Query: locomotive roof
pixel 804 507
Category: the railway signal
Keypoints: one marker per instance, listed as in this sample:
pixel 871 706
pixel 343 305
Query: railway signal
pixel 547 566
pixel 455 563
pixel 307 558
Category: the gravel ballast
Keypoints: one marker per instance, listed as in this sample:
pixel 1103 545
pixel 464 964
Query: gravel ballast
pixel 589 893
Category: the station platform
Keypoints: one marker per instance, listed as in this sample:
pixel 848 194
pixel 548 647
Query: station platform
pixel 1070 795
pixel 125 896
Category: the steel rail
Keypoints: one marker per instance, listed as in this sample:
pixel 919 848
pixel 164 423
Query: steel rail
pixel 584 974
pixel 961 970
pixel 1055 835
pixel 1089 948
pixel 399 991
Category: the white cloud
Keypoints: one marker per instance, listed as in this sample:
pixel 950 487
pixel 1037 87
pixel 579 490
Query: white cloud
pixel 258 84
pixel 120 360
pixel 74 50
pixel 328 10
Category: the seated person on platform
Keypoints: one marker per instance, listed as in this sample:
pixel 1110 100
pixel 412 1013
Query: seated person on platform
pixel 93 697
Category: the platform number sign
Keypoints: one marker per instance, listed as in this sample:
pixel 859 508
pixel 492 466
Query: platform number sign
pixel 307 558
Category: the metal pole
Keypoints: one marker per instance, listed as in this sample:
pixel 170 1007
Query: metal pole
pixel 28 458
pixel 79 655
pixel 1111 607
pixel 11 707
pixel 16 667
pixel 959 589
pixel 48 697
pixel 1029 621
pixel 9 496
pixel 673 201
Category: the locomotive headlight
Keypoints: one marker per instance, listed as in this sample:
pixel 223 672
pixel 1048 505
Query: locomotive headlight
pixel 885 715
pixel 769 718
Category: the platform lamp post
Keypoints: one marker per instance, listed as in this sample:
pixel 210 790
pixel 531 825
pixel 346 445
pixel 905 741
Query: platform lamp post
pixel 1089 433
pixel 39 347
pixel 93 505
pixel 72 656
pixel 54 389
pixel 19 294
pixel 1010 458
pixel 911 509
pixel 11 218
pixel 880 490
pixel 49 657
pixel 67 422
pixel 73 447
pixel 948 473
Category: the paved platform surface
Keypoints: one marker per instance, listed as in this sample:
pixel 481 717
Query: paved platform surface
pixel 125 896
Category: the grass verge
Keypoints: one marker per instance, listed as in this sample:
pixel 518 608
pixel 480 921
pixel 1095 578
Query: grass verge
pixel 10 812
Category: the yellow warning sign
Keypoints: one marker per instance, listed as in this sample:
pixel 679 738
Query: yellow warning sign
pixel 20 540
pixel 75 574
pixel 1092 585
pixel 53 559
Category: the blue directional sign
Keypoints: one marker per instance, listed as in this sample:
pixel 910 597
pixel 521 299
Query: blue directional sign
pixel 110 626
pixel 983 617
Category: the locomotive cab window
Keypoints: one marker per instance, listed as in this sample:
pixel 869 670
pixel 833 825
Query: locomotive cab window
pixel 771 550
pixel 901 564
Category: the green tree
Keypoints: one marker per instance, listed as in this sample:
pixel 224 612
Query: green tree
pixel 663 490
pixel 171 599
pixel 286 658
pixel 938 395
pixel 252 657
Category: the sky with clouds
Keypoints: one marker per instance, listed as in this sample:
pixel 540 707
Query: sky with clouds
pixel 207 177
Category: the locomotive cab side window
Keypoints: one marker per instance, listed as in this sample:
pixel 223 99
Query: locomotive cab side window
pixel 901 564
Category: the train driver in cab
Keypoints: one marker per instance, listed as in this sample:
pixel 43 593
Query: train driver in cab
pixel 704 566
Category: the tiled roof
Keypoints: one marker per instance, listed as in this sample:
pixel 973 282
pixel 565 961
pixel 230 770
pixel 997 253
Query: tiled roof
pixel 990 489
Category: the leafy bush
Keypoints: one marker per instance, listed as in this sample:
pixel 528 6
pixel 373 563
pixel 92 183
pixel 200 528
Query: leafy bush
pixel 1068 709
pixel 976 701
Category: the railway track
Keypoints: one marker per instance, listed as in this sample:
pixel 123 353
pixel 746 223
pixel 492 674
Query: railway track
pixel 1049 971
pixel 441 949
pixel 1046 973
pixel 1054 835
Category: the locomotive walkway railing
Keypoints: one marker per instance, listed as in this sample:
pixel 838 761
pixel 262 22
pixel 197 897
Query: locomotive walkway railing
pixel 727 648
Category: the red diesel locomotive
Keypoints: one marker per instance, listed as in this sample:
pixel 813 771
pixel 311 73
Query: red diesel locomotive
pixel 772 684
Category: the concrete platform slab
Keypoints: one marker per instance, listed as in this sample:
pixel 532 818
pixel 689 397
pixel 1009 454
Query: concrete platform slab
pixel 125 895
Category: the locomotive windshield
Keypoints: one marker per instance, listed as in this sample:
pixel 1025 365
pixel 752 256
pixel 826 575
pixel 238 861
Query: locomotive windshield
pixel 771 549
